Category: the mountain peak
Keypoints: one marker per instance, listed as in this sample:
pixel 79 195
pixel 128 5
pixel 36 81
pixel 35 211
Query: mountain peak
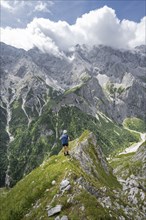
pixel 141 48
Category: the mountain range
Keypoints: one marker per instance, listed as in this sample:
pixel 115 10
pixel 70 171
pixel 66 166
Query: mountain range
pixel 100 89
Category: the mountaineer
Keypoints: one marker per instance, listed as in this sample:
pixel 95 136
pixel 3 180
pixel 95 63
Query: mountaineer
pixel 64 140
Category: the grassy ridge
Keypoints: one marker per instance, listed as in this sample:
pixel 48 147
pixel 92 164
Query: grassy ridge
pixel 33 144
pixel 30 197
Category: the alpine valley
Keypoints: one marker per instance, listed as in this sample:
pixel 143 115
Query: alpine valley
pixel 98 94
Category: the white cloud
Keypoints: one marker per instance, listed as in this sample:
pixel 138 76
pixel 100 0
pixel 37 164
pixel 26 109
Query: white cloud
pixel 137 31
pixel 17 4
pixel 96 27
pixel 13 6
pixel 19 10
pixel 43 6
pixel 20 38
pixel 27 39
pixel 6 4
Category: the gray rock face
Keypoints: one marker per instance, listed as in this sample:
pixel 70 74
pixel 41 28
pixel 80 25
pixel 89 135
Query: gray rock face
pixel 54 210
pixel 109 78
pixel 81 153
pixel 65 185
pixel 141 156
pixel 134 185
pixel 64 217
pixel 134 193
pixel 57 218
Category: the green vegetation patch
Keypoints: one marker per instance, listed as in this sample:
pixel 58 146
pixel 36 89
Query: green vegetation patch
pixel 29 198
pixel 74 89
pixel 19 120
pixel 124 166
pixel 33 187
pixel 112 89
pixel 135 124
pixel 104 177
pixel 4 139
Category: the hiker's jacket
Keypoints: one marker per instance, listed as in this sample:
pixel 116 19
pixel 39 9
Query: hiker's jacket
pixel 64 139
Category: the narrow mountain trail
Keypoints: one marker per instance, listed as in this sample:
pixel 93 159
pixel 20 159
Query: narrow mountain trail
pixel 134 147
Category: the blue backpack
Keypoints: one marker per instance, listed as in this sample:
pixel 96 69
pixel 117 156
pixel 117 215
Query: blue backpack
pixel 64 139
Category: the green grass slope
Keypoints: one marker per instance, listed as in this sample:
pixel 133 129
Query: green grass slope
pixel 32 195
pixel 135 124
pixel 4 139
pixel 125 165
pixel 31 145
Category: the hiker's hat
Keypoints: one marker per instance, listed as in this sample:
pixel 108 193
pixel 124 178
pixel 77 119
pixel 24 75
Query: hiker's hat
pixel 65 132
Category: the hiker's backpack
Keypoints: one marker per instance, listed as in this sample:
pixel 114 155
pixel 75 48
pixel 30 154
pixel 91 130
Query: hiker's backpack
pixel 64 139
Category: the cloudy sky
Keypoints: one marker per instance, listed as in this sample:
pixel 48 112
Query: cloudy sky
pixel 59 25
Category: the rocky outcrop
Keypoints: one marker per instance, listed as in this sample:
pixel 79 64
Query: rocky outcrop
pixel 130 170
pixel 54 210
pixel 134 193
pixel 89 154
pixel 141 157
pixel 65 185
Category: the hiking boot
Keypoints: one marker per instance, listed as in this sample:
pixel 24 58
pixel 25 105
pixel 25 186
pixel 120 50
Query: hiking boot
pixel 67 154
